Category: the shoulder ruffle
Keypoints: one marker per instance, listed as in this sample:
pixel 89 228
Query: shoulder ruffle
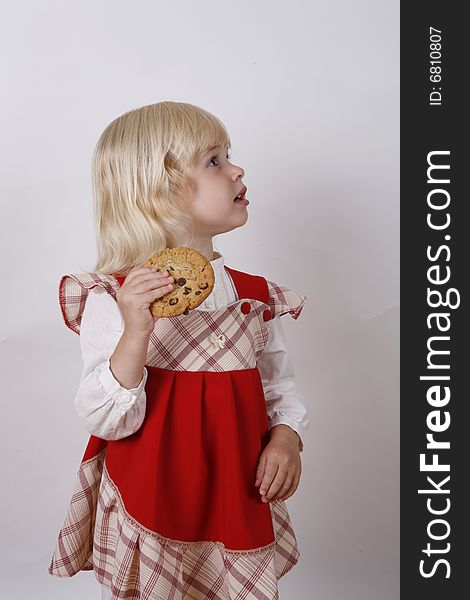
pixel 73 292
pixel 283 300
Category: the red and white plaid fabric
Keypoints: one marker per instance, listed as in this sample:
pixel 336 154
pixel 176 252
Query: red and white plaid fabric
pixel 98 532
pixel 137 563
pixel 186 342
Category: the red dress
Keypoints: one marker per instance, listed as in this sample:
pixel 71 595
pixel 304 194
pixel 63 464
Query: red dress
pixel 172 511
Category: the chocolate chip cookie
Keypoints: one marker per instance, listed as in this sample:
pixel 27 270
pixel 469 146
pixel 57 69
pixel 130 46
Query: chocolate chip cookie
pixel 193 280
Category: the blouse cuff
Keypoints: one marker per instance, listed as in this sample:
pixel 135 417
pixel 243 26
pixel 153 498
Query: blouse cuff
pixel 124 397
pixel 282 419
pixel 112 385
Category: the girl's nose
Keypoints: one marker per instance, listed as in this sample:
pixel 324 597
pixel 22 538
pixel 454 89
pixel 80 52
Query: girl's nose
pixel 238 171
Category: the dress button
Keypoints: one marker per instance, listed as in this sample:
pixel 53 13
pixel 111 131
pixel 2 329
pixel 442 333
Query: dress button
pixel 266 314
pixel 217 340
pixel 245 308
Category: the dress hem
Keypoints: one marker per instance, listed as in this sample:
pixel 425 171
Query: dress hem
pixel 100 536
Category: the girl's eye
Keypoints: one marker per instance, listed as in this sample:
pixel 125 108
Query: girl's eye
pixel 228 157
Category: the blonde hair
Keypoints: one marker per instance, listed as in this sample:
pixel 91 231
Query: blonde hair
pixel 140 189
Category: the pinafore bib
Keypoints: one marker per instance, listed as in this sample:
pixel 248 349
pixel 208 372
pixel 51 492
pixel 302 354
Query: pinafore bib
pixel 171 511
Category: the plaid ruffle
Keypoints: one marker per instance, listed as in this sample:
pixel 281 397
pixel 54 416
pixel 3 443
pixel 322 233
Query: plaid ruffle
pixel 135 562
pixel 74 289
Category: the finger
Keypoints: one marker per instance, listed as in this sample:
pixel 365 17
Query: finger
pixel 156 293
pixel 150 282
pixel 276 484
pixel 139 275
pixel 293 487
pixel 296 481
pixel 136 273
pixel 260 469
pixel 270 472
pixel 286 487
pixel 161 282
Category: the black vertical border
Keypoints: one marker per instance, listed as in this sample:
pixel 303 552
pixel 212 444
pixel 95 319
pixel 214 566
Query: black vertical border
pixel 423 129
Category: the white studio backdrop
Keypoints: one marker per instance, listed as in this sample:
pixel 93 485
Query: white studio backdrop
pixel 309 92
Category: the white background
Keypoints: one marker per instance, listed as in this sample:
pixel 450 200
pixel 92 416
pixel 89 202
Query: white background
pixel 309 92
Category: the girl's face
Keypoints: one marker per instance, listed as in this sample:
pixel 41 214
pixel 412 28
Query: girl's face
pixel 217 181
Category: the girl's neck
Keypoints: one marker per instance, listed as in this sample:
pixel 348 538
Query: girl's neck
pixel 205 247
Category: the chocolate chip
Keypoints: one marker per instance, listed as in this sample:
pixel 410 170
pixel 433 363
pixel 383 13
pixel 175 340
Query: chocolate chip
pixel 171 268
pixel 173 301
pixel 203 286
pixel 187 290
pixel 197 293
pixel 186 311
pixel 181 281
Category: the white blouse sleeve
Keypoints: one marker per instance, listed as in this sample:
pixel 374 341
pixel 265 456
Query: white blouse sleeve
pixel 107 410
pixel 284 402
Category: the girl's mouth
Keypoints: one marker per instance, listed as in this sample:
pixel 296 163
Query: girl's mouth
pixel 243 201
pixel 240 198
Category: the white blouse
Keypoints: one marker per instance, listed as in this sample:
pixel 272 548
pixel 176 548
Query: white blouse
pixel 111 412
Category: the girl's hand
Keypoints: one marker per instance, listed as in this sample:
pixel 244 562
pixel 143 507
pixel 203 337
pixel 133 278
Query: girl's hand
pixel 141 287
pixel 279 466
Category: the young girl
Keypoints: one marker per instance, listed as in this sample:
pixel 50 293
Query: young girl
pixel 196 425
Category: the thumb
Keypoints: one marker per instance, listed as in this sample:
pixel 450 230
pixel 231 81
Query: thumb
pixel 260 469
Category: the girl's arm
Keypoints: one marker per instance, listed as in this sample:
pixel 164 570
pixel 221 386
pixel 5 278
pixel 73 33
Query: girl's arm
pixel 107 409
pixel 285 404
